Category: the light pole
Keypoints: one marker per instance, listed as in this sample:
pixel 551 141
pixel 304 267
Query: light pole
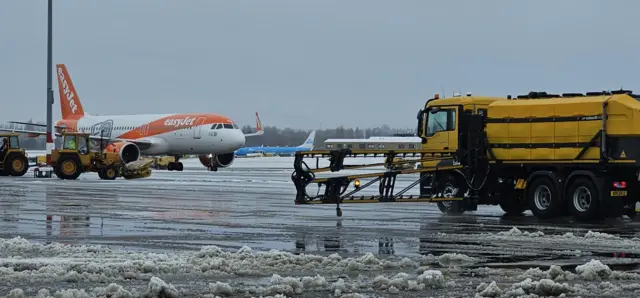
pixel 49 83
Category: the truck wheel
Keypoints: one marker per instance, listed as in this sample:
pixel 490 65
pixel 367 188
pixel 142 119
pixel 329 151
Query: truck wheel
pixel 544 198
pixel 69 168
pixel 451 187
pixel 513 205
pixel 583 199
pixel 17 165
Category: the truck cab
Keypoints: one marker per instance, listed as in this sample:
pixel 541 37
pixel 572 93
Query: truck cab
pixel 439 121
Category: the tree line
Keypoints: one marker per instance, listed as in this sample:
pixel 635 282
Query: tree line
pixel 273 136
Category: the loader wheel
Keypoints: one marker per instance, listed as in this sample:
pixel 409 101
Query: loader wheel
pixel 19 166
pixel 544 198
pixel 108 173
pixel 583 199
pixel 450 186
pixel 69 168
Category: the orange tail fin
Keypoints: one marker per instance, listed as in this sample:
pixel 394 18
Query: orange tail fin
pixel 258 123
pixel 70 105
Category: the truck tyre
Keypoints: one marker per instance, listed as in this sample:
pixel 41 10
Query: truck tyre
pixel 17 165
pixel 513 204
pixel 544 198
pixel 451 186
pixel 583 199
pixel 69 168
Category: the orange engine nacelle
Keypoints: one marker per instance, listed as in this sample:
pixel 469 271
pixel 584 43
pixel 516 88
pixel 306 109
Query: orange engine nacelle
pixel 129 152
pixel 215 161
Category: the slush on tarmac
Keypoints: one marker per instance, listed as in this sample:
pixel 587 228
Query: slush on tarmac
pixel 237 233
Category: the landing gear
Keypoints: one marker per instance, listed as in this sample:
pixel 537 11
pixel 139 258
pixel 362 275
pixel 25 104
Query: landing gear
pixel 175 166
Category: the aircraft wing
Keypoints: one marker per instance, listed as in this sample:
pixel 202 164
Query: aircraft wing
pixel 31 133
pixel 259 130
pixel 33 124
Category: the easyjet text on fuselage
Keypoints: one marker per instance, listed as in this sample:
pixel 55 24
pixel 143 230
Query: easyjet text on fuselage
pixel 187 121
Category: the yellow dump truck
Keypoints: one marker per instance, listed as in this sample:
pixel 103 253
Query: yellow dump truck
pixel 553 154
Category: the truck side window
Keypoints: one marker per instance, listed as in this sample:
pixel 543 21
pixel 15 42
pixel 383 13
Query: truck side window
pixel 442 120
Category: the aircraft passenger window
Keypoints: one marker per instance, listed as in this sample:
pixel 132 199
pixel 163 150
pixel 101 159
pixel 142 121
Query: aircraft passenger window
pixel 442 120
pixel 229 126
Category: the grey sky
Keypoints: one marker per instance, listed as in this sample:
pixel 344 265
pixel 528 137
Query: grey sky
pixel 300 63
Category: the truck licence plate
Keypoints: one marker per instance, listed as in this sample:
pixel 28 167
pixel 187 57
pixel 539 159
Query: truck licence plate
pixel 618 193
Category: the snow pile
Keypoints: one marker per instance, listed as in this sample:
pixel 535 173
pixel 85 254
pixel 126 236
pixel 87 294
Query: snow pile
pixel 554 273
pixel 594 270
pixel 245 262
pixel 156 288
pixel 57 262
pixel 598 235
pixel 448 259
pixel 528 287
pixel 402 281
pixel 547 283
pixel 517 232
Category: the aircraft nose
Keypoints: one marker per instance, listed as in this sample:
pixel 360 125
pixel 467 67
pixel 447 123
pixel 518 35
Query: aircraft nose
pixel 238 139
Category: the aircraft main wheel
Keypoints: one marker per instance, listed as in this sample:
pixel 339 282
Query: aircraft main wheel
pixel 171 166
pixel 18 166
pixel 179 166
pixel 69 168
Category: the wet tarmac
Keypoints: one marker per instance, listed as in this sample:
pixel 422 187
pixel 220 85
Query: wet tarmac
pixel 251 204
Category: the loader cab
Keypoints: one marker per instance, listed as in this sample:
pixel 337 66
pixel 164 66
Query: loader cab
pixel 10 143
pixel 76 142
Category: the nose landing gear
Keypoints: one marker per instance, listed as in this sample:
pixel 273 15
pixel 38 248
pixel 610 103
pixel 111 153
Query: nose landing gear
pixel 175 166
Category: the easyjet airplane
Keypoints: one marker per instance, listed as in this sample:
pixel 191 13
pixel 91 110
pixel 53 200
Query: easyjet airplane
pixel 213 137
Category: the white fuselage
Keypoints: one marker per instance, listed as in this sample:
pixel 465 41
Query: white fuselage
pixel 169 134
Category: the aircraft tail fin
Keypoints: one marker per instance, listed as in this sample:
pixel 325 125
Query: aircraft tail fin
pixel 70 105
pixel 259 130
pixel 308 143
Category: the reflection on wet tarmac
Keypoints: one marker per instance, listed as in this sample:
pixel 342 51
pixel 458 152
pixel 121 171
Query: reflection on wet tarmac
pixel 243 206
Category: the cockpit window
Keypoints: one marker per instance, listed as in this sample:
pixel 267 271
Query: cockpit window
pixel 236 126
pixel 216 126
pixel 227 125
